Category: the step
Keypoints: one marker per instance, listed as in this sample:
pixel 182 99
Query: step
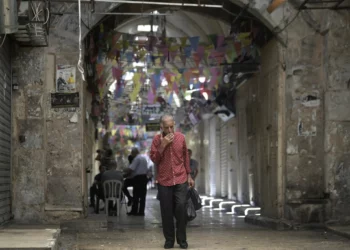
pixel 34 237
pixel 247 210
pixel 225 206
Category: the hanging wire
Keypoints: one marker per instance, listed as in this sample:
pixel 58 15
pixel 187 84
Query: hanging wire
pixel 3 40
pixel 80 61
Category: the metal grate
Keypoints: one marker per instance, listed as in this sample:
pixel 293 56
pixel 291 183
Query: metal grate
pixel 33 20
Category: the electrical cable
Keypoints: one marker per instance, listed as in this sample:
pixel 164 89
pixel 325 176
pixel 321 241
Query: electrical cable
pixel 286 26
pixel 3 40
pixel 80 62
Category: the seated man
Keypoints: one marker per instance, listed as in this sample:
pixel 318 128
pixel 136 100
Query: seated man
pixel 128 183
pixel 112 174
pixel 96 190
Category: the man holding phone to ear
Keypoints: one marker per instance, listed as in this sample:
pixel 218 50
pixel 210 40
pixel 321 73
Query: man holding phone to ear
pixel 170 155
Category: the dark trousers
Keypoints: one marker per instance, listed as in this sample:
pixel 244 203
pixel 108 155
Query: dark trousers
pixel 93 191
pixel 139 192
pixel 173 203
pixel 128 183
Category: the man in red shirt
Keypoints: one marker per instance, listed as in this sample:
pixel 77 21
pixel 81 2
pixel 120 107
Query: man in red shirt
pixel 169 153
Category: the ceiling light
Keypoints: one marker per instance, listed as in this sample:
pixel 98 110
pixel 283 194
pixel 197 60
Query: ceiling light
pixel 177 100
pixel 188 97
pixel 201 79
pixel 206 97
pixel 112 87
pixel 141 38
pixel 147 28
pixel 164 83
pixel 128 76
pixel 138 64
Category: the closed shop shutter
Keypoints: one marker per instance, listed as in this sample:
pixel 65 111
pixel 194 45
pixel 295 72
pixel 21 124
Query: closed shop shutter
pixel 223 159
pixel 212 156
pixel 5 133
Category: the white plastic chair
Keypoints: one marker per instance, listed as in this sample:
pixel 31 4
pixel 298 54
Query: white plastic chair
pixel 112 192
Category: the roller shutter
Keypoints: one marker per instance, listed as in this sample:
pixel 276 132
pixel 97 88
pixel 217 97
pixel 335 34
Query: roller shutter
pixel 224 159
pixel 5 132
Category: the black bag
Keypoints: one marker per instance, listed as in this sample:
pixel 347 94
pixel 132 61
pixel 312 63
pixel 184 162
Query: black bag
pixel 195 198
pixel 190 211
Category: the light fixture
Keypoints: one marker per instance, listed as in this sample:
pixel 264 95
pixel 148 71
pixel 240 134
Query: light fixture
pixel 205 95
pixel 146 28
pixel 201 79
pixel 138 64
pixel 164 83
pixel 128 76
pixel 176 100
pixel 191 86
pixel 141 38
pixel 112 87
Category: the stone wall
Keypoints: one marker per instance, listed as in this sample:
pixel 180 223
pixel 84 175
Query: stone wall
pixel 259 143
pixel 337 114
pixel 49 166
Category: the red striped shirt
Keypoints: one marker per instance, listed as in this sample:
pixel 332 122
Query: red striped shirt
pixel 173 164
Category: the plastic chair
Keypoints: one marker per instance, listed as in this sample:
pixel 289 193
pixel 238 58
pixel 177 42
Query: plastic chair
pixel 112 192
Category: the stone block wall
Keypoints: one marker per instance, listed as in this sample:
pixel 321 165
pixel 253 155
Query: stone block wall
pixel 49 166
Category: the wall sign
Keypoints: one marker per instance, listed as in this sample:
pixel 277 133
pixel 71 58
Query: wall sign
pixel 152 127
pixel 65 100
pixel 65 78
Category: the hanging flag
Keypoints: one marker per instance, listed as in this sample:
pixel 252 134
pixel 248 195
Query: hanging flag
pixel 220 41
pixel 194 42
pixel 231 53
pixel 200 52
pixel 129 57
pixel 213 38
pixel 157 80
pixel 175 88
pixel 183 59
pixel 173 55
pixel 188 51
pixel 196 59
pixel 117 73
pixel 150 96
pixel 170 100
pixel 99 69
pixel 183 41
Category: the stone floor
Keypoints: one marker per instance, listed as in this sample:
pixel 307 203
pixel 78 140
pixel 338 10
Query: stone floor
pixel 18 237
pixel 210 230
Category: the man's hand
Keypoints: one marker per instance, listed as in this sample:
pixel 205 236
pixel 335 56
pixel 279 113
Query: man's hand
pixel 190 181
pixel 165 141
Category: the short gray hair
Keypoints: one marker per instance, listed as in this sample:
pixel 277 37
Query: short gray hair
pixel 135 151
pixel 166 117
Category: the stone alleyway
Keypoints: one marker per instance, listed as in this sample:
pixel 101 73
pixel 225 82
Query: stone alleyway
pixel 210 230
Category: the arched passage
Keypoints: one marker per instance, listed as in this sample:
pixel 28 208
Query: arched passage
pixel 288 134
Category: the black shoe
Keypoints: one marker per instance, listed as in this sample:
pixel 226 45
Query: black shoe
pixel 183 245
pixel 168 245
pixel 141 214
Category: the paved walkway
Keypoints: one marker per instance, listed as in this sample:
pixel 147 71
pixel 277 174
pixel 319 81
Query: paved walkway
pixel 210 230
pixel 33 237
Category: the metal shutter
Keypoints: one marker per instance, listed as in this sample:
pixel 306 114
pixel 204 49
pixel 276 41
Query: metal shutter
pixel 223 159
pixel 212 156
pixel 5 132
